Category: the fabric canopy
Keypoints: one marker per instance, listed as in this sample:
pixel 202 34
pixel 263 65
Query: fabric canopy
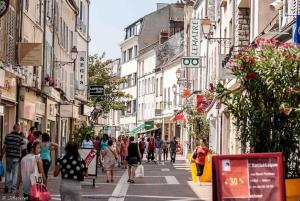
pixel 136 129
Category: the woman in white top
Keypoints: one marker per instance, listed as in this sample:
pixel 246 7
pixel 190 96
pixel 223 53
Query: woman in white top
pixel 109 160
pixel 27 168
pixel 87 143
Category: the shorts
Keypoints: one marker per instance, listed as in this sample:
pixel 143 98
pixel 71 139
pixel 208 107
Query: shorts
pixel 132 161
pixel 200 169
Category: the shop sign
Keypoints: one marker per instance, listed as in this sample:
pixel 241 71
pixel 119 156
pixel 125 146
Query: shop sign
pixel 296 31
pixel 248 177
pixel 4 5
pixel 97 90
pixel 30 54
pixel 195 38
pixel 40 108
pixel 29 110
pixel 149 125
pixel 69 111
pixel 82 70
pixel 1 110
pixel 190 62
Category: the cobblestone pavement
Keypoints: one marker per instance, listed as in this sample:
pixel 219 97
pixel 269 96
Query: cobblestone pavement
pixel 165 182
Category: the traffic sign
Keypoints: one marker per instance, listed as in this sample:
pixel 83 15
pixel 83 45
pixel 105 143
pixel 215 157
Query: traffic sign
pixel 191 62
pixel 97 90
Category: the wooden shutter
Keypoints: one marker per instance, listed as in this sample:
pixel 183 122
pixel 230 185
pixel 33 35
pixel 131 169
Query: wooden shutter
pixel 71 86
pixel 11 35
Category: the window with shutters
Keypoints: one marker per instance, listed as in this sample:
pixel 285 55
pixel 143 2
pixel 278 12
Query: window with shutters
pixel 11 36
pixel 71 86
pixel 294 7
pixel 71 40
pixel 50 9
pixel 26 5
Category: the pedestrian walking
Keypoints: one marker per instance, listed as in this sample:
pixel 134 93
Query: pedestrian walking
pixel 104 142
pixel 36 136
pixel 134 155
pixel 30 137
pixel 173 146
pixel 158 148
pixel 142 147
pixel 97 142
pixel 12 148
pixel 124 152
pixel 201 152
pixel 118 150
pixel 109 160
pixel 46 147
pixel 87 143
pixel 73 169
pixel 165 147
pixel 151 148
pixel 27 168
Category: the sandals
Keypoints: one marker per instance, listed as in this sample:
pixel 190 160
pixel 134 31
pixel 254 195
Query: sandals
pixel 130 181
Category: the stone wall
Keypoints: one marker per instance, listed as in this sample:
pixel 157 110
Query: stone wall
pixel 242 33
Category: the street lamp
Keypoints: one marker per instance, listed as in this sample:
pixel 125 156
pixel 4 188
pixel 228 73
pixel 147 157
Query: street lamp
pixel 174 88
pixel 74 53
pixel 206 26
pixel 178 73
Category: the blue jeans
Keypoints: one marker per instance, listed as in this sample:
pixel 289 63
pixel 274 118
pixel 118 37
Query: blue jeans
pixel 11 173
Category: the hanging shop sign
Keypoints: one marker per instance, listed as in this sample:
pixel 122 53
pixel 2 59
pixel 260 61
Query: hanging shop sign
pixel 248 177
pixel 296 31
pixel 4 5
pixel 30 54
pixel 82 70
pixel 97 90
pixel 190 62
pixel 195 38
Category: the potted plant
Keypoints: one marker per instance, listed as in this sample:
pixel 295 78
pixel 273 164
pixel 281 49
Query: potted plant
pixel 266 104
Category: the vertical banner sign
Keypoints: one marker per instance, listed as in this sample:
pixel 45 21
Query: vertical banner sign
pixel 248 177
pixel 90 157
pixel 82 70
pixel 195 38
pixel 4 5
pixel 296 31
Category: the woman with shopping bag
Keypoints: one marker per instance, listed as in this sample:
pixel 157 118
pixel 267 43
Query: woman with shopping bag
pixel 32 176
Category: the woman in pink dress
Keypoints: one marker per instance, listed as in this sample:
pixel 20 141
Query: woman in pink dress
pixel 124 152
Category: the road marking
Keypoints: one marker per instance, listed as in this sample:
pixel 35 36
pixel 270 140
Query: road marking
pixel 171 180
pixel 121 189
pixel 165 170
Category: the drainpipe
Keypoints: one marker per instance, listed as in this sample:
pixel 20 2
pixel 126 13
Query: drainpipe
pixel 18 80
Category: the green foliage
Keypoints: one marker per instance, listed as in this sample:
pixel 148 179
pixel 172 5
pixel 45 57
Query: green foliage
pixel 266 105
pixel 84 130
pixel 99 74
pixel 199 124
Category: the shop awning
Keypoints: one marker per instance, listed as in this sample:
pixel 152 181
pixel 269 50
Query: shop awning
pixel 136 129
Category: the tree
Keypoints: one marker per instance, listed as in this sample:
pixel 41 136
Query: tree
pixel 266 106
pixel 99 74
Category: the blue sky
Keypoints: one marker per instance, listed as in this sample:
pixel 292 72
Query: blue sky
pixel 108 18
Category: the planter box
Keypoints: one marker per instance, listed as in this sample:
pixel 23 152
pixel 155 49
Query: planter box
pixel 292 187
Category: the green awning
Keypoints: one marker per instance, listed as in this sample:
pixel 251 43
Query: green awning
pixel 149 125
pixel 137 129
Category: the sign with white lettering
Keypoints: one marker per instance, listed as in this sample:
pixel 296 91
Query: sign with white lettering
pixel 257 176
pixel 195 38
pixel 97 90
pixel 82 68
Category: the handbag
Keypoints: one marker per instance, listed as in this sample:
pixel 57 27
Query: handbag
pixel 1 169
pixel 139 172
pixel 39 192
pixel 194 156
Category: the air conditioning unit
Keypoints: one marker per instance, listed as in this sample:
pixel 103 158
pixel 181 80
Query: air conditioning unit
pixel 223 3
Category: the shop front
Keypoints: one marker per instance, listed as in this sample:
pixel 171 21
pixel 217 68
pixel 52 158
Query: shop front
pixel 7 104
pixel 27 110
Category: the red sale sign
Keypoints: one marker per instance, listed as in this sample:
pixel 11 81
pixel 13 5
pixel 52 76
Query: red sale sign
pixel 250 177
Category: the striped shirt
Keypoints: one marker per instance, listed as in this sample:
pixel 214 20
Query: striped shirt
pixel 13 142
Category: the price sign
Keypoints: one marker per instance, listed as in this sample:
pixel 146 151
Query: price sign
pixel 248 177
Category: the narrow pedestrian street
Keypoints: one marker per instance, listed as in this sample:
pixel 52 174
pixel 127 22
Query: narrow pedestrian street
pixel 162 182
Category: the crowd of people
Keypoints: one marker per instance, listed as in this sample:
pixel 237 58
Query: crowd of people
pixel 31 155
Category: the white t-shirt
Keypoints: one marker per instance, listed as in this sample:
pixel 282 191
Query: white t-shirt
pixel 27 169
pixel 87 144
